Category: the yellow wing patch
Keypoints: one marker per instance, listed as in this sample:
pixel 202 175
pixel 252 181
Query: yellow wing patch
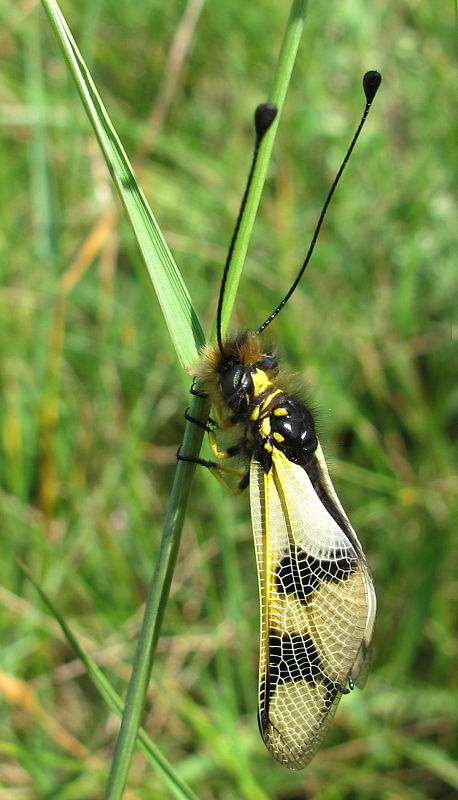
pixel 317 607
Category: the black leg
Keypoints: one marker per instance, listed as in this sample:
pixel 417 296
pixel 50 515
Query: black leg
pixel 193 460
pixel 198 392
pixel 233 451
pixel 245 481
pixel 216 470
pixel 207 426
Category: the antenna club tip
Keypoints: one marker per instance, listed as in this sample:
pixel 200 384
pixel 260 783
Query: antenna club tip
pixel 371 82
pixel 263 118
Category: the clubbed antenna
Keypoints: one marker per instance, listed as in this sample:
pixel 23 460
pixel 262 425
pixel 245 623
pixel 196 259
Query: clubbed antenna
pixel 263 118
pixel 371 82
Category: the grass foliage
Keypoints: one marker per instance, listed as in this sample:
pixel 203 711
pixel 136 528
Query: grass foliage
pixel 93 394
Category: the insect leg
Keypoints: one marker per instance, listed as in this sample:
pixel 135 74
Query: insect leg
pixel 232 489
pixel 209 428
pixel 216 470
pixel 211 465
pixel 197 392
pixel 205 425
pixel 229 453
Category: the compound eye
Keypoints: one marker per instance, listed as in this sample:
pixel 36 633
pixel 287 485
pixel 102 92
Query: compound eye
pixel 231 381
pixel 247 383
pixel 267 362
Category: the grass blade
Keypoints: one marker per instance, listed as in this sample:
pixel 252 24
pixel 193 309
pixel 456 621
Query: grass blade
pixel 181 318
pixel 277 96
pixel 112 699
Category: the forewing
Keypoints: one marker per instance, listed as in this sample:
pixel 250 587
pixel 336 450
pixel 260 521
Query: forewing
pixel 316 599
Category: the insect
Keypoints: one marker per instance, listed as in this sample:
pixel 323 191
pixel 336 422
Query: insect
pixel 316 593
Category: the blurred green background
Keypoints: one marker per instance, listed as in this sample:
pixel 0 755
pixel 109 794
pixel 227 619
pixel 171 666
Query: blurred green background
pixel 93 398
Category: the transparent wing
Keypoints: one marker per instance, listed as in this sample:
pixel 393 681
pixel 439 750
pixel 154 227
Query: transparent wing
pixel 317 608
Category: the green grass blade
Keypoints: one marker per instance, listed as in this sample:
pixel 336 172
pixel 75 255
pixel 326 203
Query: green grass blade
pixel 180 315
pixel 432 758
pixel 277 96
pixel 155 605
pixel 113 700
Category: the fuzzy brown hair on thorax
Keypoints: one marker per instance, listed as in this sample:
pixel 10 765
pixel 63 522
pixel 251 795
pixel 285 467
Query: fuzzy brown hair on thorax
pixel 239 348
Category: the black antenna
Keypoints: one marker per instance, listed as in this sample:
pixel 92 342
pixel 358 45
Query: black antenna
pixel 263 118
pixel 371 82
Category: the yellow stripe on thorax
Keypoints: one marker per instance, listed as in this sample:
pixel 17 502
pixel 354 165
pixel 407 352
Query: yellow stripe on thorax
pixel 261 384
pixel 269 399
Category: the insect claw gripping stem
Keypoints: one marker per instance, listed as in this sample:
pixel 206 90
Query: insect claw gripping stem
pixel 195 460
pixel 197 392
pixel 207 426
pixel 216 470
